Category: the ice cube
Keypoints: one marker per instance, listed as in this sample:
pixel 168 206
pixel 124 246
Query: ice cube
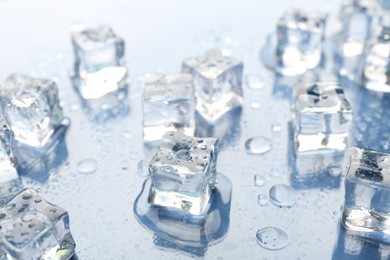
pixel 31 109
pixel 99 60
pixel 359 20
pixel 32 228
pixel 321 116
pixel 377 62
pixel 168 105
pixel 183 172
pixel 300 36
pixel 367 192
pixel 217 82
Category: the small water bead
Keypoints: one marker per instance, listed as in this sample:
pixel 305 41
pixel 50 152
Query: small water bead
pixel 259 180
pixel 203 147
pixel 183 154
pixel 272 238
pixel 169 157
pixel 262 199
pixel 282 195
pixel 87 166
pixel 276 128
pixel 27 196
pixel 258 145
pixel 255 105
pixel 254 82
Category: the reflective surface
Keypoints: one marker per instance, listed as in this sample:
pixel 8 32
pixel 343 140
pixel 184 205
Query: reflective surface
pixel 100 203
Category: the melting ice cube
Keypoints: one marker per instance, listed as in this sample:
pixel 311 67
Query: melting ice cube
pixel 217 81
pixel 168 105
pixel 32 228
pixel 183 172
pixel 300 35
pixel 99 55
pixel 367 192
pixel 321 117
pixel 31 108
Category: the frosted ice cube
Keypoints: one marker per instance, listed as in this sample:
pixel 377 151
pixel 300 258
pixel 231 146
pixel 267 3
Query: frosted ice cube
pixel 168 105
pixel 377 62
pixel 31 108
pixel 367 192
pixel 321 117
pixel 300 36
pixel 32 228
pixel 217 81
pixel 99 55
pixel 359 20
pixel 183 172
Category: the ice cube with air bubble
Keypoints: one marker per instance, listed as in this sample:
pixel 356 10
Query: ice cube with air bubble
pixel 217 81
pixel 99 61
pixel 359 20
pixel 31 108
pixel 32 228
pixel 168 105
pixel 321 116
pixel 300 36
pixel 183 173
pixel 367 193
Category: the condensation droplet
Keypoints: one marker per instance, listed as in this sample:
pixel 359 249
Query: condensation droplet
pixel 272 238
pixel 255 105
pixel 258 145
pixel 87 166
pixel 282 195
pixel 259 180
pixel 262 199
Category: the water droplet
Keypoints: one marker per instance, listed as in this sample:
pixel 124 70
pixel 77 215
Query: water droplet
pixel 262 199
pixel 203 147
pixel 258 145
pixel 87 166
pixel 276 128
pixel 183 154
pixel 259 181
pixel 254 82
pixel 10 206
pixel 27 196
pixel 334 170
pixel 255 105
pixel 169 157
pixel 282 195
pixel 272 238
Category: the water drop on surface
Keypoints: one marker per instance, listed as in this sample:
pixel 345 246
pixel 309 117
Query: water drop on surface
pixel 282 195
pixel 258 145
pixel 255 105
pixel 262 199
pixel 259 180
pixel 276 128
pixel 87 166
pixel 183 154
pixel 254 82
pixel 272 238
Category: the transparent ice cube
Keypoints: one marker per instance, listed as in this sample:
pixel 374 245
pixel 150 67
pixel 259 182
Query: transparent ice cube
pixel 31 108
pixel 321 117
pixel 183 172
pixel 367 192
pixel 300 36
pixel 32 228
pixel 217 81
pixel 99 55
pixel 376 73
pixel 168 105
pixel 359 20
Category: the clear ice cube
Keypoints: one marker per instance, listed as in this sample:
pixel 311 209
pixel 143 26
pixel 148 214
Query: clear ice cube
pixel 300 36
pixel 168 105
pixel 32 228
pixel 375 72
pixel 99 60
pixel 359 20
pixel 183 172
pixel 367 192
pixel 321 116
pixel 217 81
pixel 31 109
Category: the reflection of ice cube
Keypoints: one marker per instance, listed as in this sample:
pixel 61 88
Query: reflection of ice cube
pixel 359 19
pixel 367 193
pixel 98 61
pixel 183 172
pixel 31 108
pixel 376 73
pixel 299 41
pixel 168 105
pixel 217 81
pixel 321 117
pixel 32 228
